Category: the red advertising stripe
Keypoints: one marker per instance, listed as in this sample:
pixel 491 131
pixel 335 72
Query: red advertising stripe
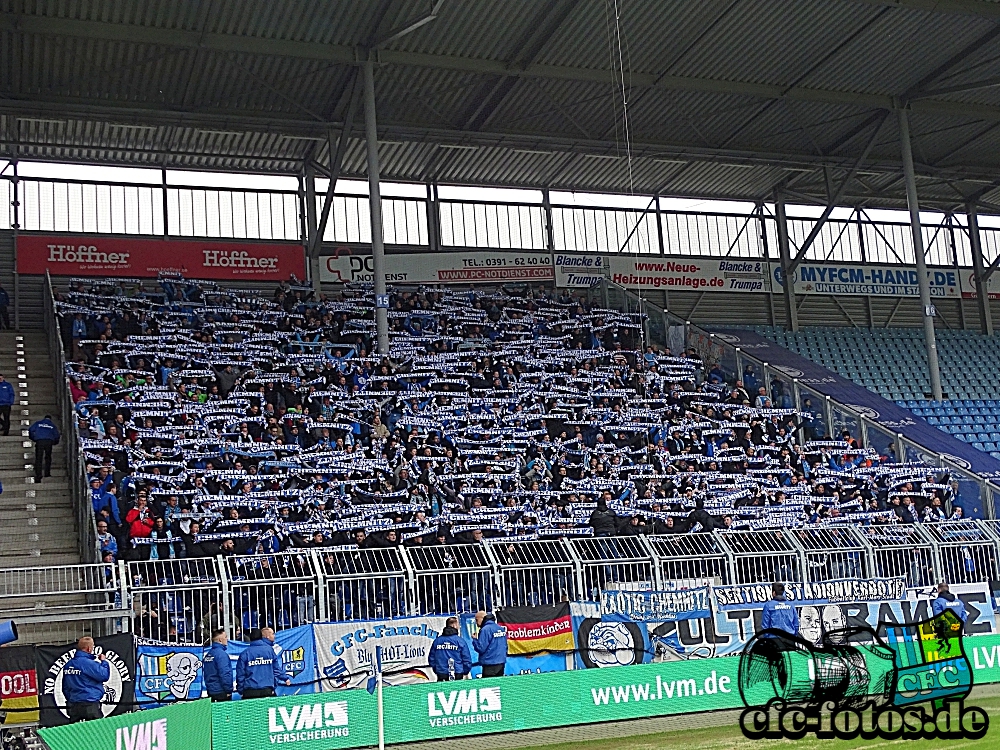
pixel 80 255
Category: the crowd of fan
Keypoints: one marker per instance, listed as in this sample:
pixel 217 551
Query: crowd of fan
pixel 227 423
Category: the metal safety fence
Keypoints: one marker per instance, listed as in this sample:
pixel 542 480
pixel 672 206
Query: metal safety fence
pixel 182 600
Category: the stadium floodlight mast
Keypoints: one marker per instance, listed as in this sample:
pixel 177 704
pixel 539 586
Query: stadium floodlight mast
pixel 375 210
pixel 923 282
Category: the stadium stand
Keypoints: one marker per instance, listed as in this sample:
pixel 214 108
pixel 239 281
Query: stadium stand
pixel 893 363
pixel 220 423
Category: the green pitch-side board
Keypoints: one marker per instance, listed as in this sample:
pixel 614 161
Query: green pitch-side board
pixel 181 727
pixel 348 719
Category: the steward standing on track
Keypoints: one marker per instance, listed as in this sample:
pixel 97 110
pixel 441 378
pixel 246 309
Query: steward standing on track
pixel 947 600
pixel 218 669
pixel 259 669
pixel 449 657
pixel 490 644
pixel 83 681
pixel 778 613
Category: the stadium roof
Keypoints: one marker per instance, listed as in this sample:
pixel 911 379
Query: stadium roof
pixel 726 98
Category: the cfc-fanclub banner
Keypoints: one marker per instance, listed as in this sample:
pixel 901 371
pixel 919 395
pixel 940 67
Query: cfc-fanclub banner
pixel 72 255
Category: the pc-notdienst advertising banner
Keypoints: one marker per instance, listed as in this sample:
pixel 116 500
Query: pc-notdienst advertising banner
pixel 123 257
pixel 486 267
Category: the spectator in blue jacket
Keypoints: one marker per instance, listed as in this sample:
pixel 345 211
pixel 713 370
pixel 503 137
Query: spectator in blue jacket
pixel 6 401
pixel 45 434
pixel 259 669
pixel 449 657
pixel 490 644
pixel 778 613
pixel 947 600
pixel 104 503
pixel 83 681
pixel 218 668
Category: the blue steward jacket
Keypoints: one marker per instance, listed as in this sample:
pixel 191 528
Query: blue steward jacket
pixel 448 646
pixel 948 600
pixel 780 615
pixel 259 668
pixel 218 670
pixel 44 429
pixel 84 677
pixel 491 643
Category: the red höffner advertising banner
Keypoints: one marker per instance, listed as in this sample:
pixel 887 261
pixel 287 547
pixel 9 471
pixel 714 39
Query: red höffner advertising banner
pixel 69 255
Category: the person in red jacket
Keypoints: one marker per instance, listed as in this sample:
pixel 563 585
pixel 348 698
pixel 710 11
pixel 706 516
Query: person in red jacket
pixel 139 520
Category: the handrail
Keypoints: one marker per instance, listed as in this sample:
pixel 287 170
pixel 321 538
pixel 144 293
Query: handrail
pixel 987 486
pixel 76 468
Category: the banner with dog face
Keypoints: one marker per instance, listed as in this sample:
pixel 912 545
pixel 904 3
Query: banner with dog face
pixel 170 673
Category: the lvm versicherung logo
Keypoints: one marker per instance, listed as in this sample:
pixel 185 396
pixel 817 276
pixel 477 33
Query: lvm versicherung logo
pixel 147 735
pixel 307 722
pixel 457 707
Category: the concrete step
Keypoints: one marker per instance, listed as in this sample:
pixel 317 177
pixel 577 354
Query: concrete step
pixel 25 561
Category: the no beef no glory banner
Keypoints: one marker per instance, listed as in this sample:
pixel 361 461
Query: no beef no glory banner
pixel 441 268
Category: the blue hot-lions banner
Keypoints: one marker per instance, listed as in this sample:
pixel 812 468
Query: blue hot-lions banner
pixel 893 418
pixel 170 673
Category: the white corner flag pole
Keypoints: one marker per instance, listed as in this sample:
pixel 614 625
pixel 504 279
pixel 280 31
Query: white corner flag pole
pixel 378 687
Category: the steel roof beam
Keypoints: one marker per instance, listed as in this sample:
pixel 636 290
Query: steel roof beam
pixel 51 26
pixel 68 109
pixel 835 199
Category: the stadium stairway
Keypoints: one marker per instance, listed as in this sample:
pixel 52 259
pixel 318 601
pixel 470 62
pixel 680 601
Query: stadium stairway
pixel 37 523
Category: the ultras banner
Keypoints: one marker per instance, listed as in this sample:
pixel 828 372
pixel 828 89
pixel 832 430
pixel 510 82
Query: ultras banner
pixel 72 255
pixel 186 726
pixel 119 691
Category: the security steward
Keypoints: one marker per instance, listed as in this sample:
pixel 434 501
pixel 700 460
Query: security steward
pixel 449 656
pixel 83 681
pixel 490 644
pixel 947 600
pixel 778 613
pixel 218 668
pixel 259 669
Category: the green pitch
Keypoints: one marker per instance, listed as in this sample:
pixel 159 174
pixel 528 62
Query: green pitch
pixel 730 738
